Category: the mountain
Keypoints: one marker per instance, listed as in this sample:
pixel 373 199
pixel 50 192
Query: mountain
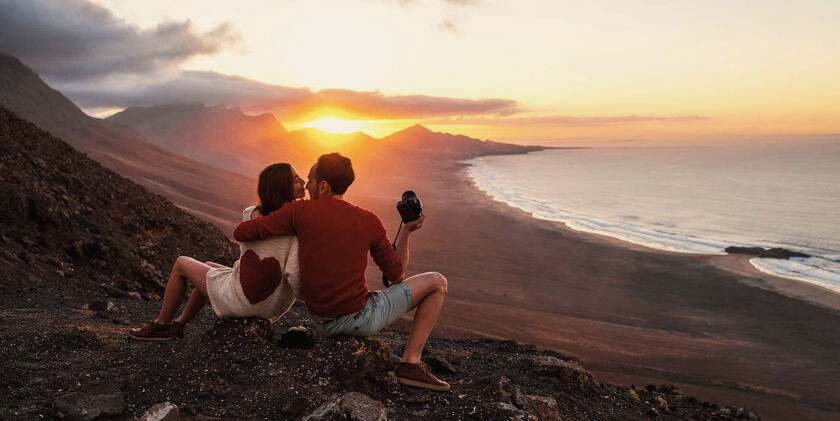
pixel 66 220
pixel 220 136
pixel 214 194
pixel 419 141
pixel 227 138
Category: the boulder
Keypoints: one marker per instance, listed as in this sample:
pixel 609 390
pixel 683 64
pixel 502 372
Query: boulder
pixel 352 406
pixel 568 372
pixel 166 411
pixel 89 402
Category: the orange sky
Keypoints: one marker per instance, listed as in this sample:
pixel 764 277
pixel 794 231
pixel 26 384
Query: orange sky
pixel 609 70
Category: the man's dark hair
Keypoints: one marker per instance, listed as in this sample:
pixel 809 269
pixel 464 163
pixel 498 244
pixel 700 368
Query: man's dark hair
pixel 336 170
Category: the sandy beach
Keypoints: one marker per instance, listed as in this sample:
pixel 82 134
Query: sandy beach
pixel 712 325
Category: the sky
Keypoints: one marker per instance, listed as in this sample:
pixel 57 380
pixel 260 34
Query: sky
pixel 526 71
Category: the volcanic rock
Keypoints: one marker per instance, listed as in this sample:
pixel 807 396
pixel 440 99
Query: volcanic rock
pixel 165 411
pixel 772 253
pixel 352 406
pixel 88 403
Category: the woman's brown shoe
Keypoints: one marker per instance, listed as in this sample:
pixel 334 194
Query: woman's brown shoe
pixel 157 332
pixel 418 375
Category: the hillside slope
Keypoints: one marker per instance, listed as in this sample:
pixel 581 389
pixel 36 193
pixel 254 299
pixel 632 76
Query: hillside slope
pixel 214 194
pixel 67 221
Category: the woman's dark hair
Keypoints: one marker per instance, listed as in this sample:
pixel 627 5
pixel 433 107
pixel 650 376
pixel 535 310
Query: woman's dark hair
pixel 275 187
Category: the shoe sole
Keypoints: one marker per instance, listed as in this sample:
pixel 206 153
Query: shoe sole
pixel 415 383
pixel 140 338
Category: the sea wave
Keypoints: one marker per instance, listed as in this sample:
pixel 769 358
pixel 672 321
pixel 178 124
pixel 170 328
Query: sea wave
pixel 823 269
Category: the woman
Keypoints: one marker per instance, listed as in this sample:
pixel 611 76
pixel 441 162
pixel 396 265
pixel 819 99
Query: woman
pixel 263 282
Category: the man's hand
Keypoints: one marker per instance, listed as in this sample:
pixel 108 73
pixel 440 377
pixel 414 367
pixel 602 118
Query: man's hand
pixel 415 224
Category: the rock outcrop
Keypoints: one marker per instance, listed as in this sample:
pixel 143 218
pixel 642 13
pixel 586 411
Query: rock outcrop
pixel 772 253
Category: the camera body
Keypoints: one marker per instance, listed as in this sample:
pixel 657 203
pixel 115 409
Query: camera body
pixel 410 207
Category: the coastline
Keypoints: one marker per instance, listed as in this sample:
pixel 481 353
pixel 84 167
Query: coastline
pixel 719 329
pixel 737 264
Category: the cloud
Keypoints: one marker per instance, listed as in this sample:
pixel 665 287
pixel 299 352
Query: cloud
pixel 565 120
pixel 448 26
pixel 463 2
pixel 211 88
pixel 80 40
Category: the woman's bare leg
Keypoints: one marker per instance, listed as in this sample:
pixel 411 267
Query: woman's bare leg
pixel 186 269
pixel 214 265
pixel 196 302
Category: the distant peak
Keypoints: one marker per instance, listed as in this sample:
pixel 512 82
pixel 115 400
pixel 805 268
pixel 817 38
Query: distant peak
pixel 419 128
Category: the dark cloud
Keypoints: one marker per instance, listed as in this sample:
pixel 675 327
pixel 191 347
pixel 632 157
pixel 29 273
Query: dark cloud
pixel 79 40
pixel 212 88
pixel 565 120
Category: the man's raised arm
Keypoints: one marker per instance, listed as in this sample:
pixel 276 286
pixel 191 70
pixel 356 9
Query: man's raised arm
pixel 385 257
pixel 279 222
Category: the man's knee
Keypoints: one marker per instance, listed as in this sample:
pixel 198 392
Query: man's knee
pixel 440 282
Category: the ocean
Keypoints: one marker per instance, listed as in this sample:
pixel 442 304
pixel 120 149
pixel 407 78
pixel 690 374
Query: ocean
pixel 696 199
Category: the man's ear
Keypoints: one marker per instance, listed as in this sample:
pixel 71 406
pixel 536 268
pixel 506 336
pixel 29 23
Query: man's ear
pixel 323 188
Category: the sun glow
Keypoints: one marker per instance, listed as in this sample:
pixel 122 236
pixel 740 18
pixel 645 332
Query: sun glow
pixel 335 125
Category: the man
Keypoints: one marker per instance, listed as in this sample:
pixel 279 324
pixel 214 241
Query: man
pixel 335 237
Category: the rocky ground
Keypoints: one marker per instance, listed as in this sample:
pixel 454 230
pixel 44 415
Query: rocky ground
pixel 83 256
pixel 61 357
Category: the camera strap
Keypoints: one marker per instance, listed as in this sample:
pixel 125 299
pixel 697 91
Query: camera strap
pixel 385 280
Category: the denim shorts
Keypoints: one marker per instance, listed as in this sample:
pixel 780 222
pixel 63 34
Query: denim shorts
pixel 383 307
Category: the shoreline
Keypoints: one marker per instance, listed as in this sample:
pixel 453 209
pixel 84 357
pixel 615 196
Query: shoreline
pixel 738 264
pixel 632 314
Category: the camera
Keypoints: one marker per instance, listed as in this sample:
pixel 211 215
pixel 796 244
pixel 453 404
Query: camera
pixel 410 207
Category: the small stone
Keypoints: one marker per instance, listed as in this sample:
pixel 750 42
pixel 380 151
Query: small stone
pixel 111 308
pixel 114 291
pixel 545 407
pixel 298 337
pixel 440 365
pixel 650 388
pixel 166 411
pixel 663 403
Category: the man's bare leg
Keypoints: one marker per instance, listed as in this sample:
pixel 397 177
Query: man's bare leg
pixel 428 291
pixel 186 269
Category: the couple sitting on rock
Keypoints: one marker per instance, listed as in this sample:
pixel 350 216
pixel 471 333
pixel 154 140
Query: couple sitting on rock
pixel 332 238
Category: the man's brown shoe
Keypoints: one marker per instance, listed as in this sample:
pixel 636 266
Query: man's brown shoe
pixel 157 332
pixel 418 375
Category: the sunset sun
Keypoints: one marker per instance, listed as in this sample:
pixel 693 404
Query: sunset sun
pixel 335 125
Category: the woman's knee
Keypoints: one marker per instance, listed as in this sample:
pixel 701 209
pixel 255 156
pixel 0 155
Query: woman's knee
pixel 181 261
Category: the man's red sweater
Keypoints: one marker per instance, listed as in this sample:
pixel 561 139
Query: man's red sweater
pixel 334 238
